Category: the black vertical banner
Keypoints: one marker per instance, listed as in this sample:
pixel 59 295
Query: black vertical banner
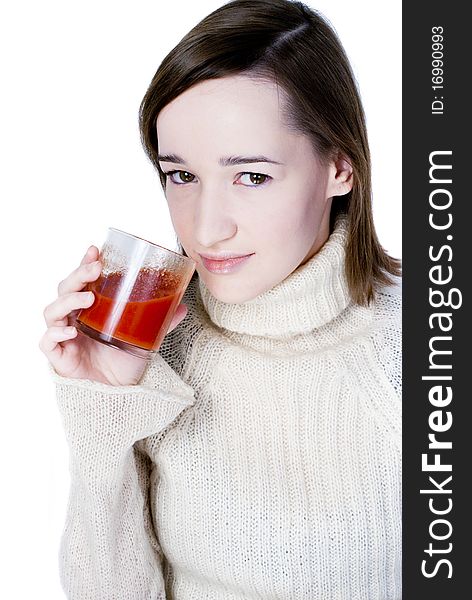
pixel 437 236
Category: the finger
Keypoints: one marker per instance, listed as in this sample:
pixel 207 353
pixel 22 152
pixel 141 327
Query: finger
pixel 57 312
pixel 79 278
pixel 91 255
pixel 50 342
pixel 179 316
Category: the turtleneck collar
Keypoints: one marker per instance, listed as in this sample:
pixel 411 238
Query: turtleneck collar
pixel 312 295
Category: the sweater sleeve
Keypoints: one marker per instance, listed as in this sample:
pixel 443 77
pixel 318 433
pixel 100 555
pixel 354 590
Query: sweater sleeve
pixel 109 549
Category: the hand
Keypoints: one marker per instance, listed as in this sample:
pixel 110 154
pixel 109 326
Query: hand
pixel 73 354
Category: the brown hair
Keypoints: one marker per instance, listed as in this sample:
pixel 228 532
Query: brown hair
pixel 289 43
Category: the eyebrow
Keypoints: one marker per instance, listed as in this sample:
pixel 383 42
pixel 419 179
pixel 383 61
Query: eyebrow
pixel 225 161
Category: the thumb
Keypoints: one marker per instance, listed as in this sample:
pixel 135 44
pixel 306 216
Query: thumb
pixel 179 316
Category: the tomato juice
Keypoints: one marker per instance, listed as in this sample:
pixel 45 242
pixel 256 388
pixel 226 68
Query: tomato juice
pixel 136 312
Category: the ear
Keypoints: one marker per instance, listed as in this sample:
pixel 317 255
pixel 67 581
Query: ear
pixel 341 177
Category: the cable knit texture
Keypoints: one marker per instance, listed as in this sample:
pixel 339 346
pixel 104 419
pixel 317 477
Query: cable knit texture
pixel 258 458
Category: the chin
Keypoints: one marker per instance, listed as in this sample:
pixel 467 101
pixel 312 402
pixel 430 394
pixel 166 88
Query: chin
pixel 230 292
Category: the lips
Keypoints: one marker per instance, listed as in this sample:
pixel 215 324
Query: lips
pixel 227 265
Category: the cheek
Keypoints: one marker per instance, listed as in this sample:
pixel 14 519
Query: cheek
pixel 181 219
pixel 308 212
pixel 295 220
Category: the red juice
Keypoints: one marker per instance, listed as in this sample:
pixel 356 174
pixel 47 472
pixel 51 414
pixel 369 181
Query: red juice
pixel 139 316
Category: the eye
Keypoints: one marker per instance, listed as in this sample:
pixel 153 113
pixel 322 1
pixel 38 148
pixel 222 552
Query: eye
pixel 254 179
pixel 184 176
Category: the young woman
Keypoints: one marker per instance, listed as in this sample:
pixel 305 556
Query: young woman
pixel 258 455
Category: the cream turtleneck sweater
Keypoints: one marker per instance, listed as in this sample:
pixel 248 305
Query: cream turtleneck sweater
pixel 258 458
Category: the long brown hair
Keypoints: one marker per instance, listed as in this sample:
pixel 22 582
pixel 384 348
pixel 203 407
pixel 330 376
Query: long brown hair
pixel 287 42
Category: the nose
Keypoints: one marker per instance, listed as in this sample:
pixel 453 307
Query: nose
pixel 213 222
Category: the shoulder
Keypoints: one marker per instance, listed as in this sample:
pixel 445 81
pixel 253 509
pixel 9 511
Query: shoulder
pixel 387 307
pixel 386 333
pixel 388 300
pixel 394 289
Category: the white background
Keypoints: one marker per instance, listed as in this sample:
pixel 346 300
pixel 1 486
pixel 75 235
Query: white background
pixel 73 75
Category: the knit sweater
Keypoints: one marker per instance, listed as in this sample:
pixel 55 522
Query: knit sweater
pixel 259 456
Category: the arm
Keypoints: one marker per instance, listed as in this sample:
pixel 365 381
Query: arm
pixel 109 549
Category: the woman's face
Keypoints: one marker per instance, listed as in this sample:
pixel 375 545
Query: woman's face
pixel 240 182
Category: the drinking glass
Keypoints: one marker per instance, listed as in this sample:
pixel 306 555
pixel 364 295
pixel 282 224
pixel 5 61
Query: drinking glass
pixel 136 295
